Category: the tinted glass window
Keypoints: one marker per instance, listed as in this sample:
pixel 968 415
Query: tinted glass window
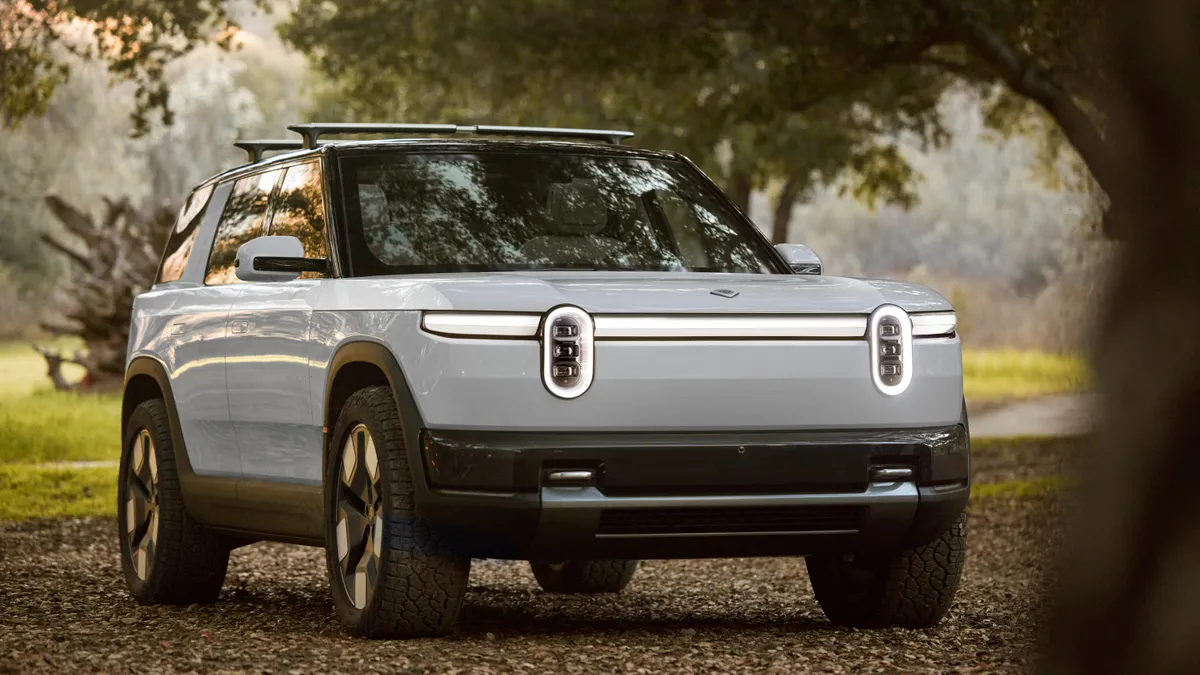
pixel 520 211
pixel 241 221
pixel 183 236
pixel 300 210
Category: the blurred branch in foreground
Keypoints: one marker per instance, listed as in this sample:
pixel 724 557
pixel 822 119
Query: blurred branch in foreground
pixel 1130 595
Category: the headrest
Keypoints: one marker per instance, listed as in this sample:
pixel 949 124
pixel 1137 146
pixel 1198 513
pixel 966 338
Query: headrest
pixel 576 207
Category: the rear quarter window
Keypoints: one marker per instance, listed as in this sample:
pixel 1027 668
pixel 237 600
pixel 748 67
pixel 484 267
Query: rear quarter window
pixel 183 236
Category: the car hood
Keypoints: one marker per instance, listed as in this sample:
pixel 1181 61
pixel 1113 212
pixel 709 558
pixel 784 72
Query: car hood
pixel 633 293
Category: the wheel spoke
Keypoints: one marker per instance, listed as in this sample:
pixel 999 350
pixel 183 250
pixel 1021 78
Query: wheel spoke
pixel 144 555
pixel 152 460
pixel 359 520
pixel 371 459
pixel 366 574
pixel 141 509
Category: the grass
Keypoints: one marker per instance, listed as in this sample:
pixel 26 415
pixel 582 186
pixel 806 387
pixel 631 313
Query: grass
pixel 23 371
pixel 28 491
pixel 1009 374
pixel 1018 489
pixel 38 424
pixel 50 426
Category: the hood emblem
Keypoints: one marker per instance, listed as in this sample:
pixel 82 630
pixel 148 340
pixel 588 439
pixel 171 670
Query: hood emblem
pixel 725 293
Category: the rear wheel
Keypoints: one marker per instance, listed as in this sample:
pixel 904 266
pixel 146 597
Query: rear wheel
pixel 909 589
pixel 167 557
pixel 584 576
pixel 392 574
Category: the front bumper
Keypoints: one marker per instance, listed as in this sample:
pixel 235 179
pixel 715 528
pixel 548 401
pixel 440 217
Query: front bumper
pixel 558 496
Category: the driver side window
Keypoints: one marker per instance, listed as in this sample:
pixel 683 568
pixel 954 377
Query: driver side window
pixel 242 220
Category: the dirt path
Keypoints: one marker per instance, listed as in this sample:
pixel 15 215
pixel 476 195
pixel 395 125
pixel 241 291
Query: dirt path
pixel 1058 415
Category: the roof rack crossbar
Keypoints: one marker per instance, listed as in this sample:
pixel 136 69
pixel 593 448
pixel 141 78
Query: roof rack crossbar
pixel 312 131
pixel 255 147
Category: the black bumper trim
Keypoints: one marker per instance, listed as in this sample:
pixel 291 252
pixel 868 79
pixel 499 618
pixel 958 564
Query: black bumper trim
pixel 655 464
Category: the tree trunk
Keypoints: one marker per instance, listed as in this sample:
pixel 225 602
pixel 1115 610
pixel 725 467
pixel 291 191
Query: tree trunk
pixel 112 261
pixel 1023 75
pixel 783 211
pixel 741 184
pixel 1129 591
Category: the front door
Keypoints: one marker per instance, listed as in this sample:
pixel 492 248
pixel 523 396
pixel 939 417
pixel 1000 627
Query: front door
pixel 268 356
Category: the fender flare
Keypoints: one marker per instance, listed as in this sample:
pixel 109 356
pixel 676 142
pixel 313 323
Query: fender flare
pixel 152 367
pixel 411 423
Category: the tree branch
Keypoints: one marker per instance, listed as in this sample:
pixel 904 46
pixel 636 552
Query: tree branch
pixel 65 250
pixel 1023 76
pixel 870 67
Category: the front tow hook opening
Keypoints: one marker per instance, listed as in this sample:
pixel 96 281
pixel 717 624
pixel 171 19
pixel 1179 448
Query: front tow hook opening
pixel 891 474
pixel 570 478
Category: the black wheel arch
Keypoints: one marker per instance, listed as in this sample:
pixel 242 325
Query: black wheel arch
pixel 363 363
pixel 145 379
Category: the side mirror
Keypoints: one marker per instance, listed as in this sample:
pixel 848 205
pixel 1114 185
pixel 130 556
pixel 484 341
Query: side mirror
pixel 800 258
pixel 274 259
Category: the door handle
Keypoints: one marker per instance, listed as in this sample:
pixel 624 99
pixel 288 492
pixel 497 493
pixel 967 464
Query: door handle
pixel 178 328
pixel 238 326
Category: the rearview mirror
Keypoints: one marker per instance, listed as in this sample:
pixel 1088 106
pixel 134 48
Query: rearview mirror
pixel 275 259
pixel 800 258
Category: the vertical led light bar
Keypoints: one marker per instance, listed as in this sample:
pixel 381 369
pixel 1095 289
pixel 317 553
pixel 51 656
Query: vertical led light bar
pixel 889 334
pixel 567 351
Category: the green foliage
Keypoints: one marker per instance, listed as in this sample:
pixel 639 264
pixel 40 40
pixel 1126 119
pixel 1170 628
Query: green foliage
pixel 137 38
pixel 798 89
pixel 717 81
pixel 28 492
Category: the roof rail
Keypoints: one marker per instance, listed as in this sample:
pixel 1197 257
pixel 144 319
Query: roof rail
pixel 257 146
pixel 312 131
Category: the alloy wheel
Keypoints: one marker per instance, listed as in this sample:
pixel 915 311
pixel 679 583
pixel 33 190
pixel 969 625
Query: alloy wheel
pixel 141 504
pixel 359 516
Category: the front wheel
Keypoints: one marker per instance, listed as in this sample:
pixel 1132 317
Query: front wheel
pixel 909 589
pixel 392 574
pixel 584 576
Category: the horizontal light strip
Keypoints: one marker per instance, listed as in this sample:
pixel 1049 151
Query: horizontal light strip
pixel 934 325
pixel 750 327
pixel 497 325
pixel 482 324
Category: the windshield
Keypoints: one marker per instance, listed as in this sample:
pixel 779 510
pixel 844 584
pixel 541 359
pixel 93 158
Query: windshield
pixel 507 211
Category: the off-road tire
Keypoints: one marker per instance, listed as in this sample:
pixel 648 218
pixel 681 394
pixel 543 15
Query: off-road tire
pixel 584 576
pixel 909 589
pixel 188 562
pixel 421 580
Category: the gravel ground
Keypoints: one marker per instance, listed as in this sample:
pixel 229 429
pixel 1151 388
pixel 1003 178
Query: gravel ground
pixel 64 608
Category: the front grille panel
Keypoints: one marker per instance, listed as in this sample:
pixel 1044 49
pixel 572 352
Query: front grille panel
pixel 725 520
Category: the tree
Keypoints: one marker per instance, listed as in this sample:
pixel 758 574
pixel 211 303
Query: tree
pixel 444 61
pixel 136 38
pixel 115 261
pixel 725 69
pixel 113 196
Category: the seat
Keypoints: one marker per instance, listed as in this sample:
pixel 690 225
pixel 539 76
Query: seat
pixel 577 216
